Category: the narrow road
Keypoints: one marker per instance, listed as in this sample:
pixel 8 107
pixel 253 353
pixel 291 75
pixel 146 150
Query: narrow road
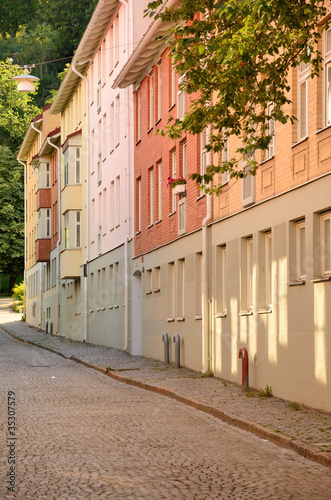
pixel 79 434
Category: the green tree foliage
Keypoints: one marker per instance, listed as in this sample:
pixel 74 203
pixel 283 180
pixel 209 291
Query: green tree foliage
pixel 15 13
pixel 16 109
pixel 11 215
pixel 236 57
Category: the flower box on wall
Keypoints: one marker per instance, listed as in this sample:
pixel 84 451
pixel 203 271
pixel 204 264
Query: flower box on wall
pixel 179 189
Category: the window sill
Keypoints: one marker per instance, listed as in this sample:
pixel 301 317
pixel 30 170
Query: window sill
pixel 116 306
pixel 151 225
pixel 111 151
pixel 158 221
pixel 220 315
pixel 138 232
pixel 246 313
pixel 198 317
pixel 171 107
pixel 158 121
pixel 321 280
pixel 299 142
pixel 172 213
pixel 266 160
pixel 91 310
pixel 264 311
pixel 149 292
pixel 200 197
pixel 180 318
pixel 157 290
pixel 103 308
pixel 170 320
pixel 138 142
pixel 297 283
pixel 110 307
pixel 149 130
pixel 322 129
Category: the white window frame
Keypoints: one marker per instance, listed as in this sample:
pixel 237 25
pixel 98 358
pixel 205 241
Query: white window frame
pixel 300 247
pixel 159 166
pixel 327 78
pixel 172 85
pixel 303 100
pixel 225 158
pixel 151 196
pixel 203 152
pixel 66 167
pixel 151 101
pixel 268 268
pixel 181 98
pixel 247 187
pixel 270 153
pixel 139 203
pixel 174 173
pixel 77 165
pixel 159 91
pixel 326 244
pixel 78 242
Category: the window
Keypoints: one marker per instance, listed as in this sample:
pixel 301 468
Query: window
pixel 151 196
pixel 138 205
pixel 159 200
pixel 270 131
pixel 138 115
pixel 220 280
pixel 117 201
pixel 327 78
pixel 44 223
pixel 112 205
pixel 118 121
pixel 156 279
pixel 48 183
pixel 159 91
pixel 303 99
pixel 66 230
pixel 203 152
pixel 173 174
pixel 225 158
pixel 268 269
pixel 197 285
pixel 99 96
pixel 112 127
pixel 77 230
pixel 247 187
pixel 66 167
pixel 151 101
pixel 77 172
pixel 172 84
pixel 301 250
pixel 99 168
pixel 72 229
pixel 184 154
pixel 171 291
pixel 326 244
pixel 181 289
pixel 247 275
pixel 148 282
pixel 104 137
pixel 181 98
pixel 182 216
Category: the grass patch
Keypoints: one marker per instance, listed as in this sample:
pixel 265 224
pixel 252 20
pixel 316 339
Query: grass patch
pixel 295 406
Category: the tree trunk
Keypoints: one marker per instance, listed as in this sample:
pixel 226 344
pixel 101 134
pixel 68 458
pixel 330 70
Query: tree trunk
pixel 12 281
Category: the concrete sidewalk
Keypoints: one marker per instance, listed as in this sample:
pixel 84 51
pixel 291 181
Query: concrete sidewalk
pixel 290 425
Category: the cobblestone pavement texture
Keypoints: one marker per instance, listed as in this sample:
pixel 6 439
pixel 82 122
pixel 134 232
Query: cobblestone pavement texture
pixel 84 435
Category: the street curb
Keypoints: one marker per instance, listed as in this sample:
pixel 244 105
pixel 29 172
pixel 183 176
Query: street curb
pixel 278 439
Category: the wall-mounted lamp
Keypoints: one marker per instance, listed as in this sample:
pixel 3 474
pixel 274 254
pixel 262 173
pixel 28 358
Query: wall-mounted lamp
pixel 26 81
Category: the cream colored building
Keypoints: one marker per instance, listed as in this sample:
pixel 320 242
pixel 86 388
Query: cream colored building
pixel 39 221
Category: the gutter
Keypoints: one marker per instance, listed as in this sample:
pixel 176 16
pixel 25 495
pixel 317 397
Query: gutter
pixel 87 214
pixel 59 233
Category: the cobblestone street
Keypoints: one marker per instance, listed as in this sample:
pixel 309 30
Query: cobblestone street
pixel 83 435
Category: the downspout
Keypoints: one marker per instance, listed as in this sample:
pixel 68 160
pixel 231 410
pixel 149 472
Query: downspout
pixel 87 197
pixel 127 187
pixel 25 259
pixel 59 232
pixel 41 267
pixel 205 282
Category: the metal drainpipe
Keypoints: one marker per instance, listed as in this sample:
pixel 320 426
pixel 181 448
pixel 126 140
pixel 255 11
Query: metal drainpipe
pixel 205 282
pixel 128 186
pixel 41 267
pixel 87 236
pixel 59 232
pixel 25 260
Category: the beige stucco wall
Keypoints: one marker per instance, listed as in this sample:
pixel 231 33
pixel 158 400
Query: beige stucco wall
pixel 289 348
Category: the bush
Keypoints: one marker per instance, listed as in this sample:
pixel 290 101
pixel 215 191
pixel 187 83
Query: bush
pixel 18 296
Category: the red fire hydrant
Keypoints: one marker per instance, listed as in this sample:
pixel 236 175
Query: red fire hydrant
pixel 243 354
